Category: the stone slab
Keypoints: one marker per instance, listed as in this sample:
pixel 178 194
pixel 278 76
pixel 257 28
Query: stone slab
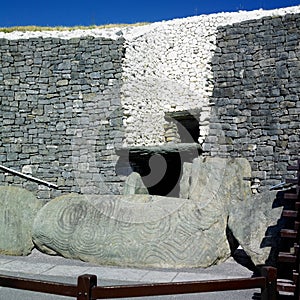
pixel 121 274
pixel 134 185
pixel 133 230
pixel 26 267
pixel 249 221
pixel 64 270
pixel 18 208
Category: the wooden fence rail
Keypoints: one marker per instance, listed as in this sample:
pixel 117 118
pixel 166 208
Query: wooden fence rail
pixel 47 287
pixel 87 289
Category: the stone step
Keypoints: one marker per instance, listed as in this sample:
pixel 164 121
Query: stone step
pixel 286 286
pixel 292 180
pixel 293 168
pixel 289 196
pixel 285 257
pixel 288 233
pixel 290 213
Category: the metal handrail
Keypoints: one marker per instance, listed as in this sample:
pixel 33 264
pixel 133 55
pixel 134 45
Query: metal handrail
pixel 29 177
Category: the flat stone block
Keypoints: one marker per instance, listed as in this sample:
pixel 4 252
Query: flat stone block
pixel 18 208
pixel 30 268
pixel 68 271
pixel 119 273
pixel 156 276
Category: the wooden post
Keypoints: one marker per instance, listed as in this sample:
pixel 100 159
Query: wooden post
pixel 85 283
pixel 270 292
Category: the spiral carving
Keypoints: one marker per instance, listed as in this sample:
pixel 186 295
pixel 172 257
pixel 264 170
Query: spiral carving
pixel 161 232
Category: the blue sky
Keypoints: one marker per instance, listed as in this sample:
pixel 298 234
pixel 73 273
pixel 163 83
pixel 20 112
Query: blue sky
pixel 98 12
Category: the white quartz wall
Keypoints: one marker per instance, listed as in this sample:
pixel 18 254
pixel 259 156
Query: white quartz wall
pixel 167 68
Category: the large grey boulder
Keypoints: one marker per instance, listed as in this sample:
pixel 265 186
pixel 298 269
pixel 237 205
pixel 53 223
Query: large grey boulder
pixel 18 208
pixel 215 179
pixel 154 231
pixel 249 222
pixel 134 185
pixel 219 183
pixel 185 180
pixel 135 230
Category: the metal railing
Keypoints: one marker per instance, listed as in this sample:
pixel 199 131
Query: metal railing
pixel 87 289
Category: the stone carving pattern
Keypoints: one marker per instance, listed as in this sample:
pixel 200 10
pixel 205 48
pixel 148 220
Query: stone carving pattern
pixel 106 231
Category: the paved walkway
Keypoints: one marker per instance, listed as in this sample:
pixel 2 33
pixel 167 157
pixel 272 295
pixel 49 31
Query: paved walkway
pixel 59 269
pixel 41 264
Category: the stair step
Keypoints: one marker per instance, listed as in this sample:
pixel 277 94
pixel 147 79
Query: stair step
pixel 293 168
pixel 290 213
pixel 286 286
pixel 288 233
pixel 292 180
pixel 289 261
pixel 286 257
pixel 289 196
pixel 295 276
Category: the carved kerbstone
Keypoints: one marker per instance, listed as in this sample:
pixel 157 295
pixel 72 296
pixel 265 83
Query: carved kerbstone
pixel 133 230
pixel 155 231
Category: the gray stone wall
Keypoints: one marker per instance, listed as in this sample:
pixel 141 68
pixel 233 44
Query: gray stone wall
pixel 69 99
pixel 255 103
pixel 60 113
pixel 167 68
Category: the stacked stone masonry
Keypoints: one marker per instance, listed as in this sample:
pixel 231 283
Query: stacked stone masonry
pixel 168 68
pixel 255 103
pixel 69 99
pixel 60 105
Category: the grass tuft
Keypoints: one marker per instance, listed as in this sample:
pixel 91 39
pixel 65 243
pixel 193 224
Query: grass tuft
pixel 65 28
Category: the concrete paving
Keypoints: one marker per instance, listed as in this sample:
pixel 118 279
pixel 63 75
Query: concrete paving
pixel 59 269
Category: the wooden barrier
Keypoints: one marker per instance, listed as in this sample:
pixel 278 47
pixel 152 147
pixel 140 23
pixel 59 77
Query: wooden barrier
pixel 288 260
pixel 86 288
pixel 47 287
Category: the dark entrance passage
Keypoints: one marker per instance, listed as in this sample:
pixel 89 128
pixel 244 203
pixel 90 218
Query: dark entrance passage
pixel 160 167
pixel 187 123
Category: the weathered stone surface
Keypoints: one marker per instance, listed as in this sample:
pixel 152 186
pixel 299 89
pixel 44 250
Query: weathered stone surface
pixel 219 180
pixel 134 185
pixel 185 180
pixel 82 111
pixel 257 118
pixel 134 230
pixel 249 221
pixel 145 230
pixel 218 183
pixel 18 208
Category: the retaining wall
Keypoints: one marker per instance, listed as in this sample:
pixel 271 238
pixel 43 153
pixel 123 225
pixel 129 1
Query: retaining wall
pixel 61 116
pixel 68 100
pixel 167 68
pixel 255 102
